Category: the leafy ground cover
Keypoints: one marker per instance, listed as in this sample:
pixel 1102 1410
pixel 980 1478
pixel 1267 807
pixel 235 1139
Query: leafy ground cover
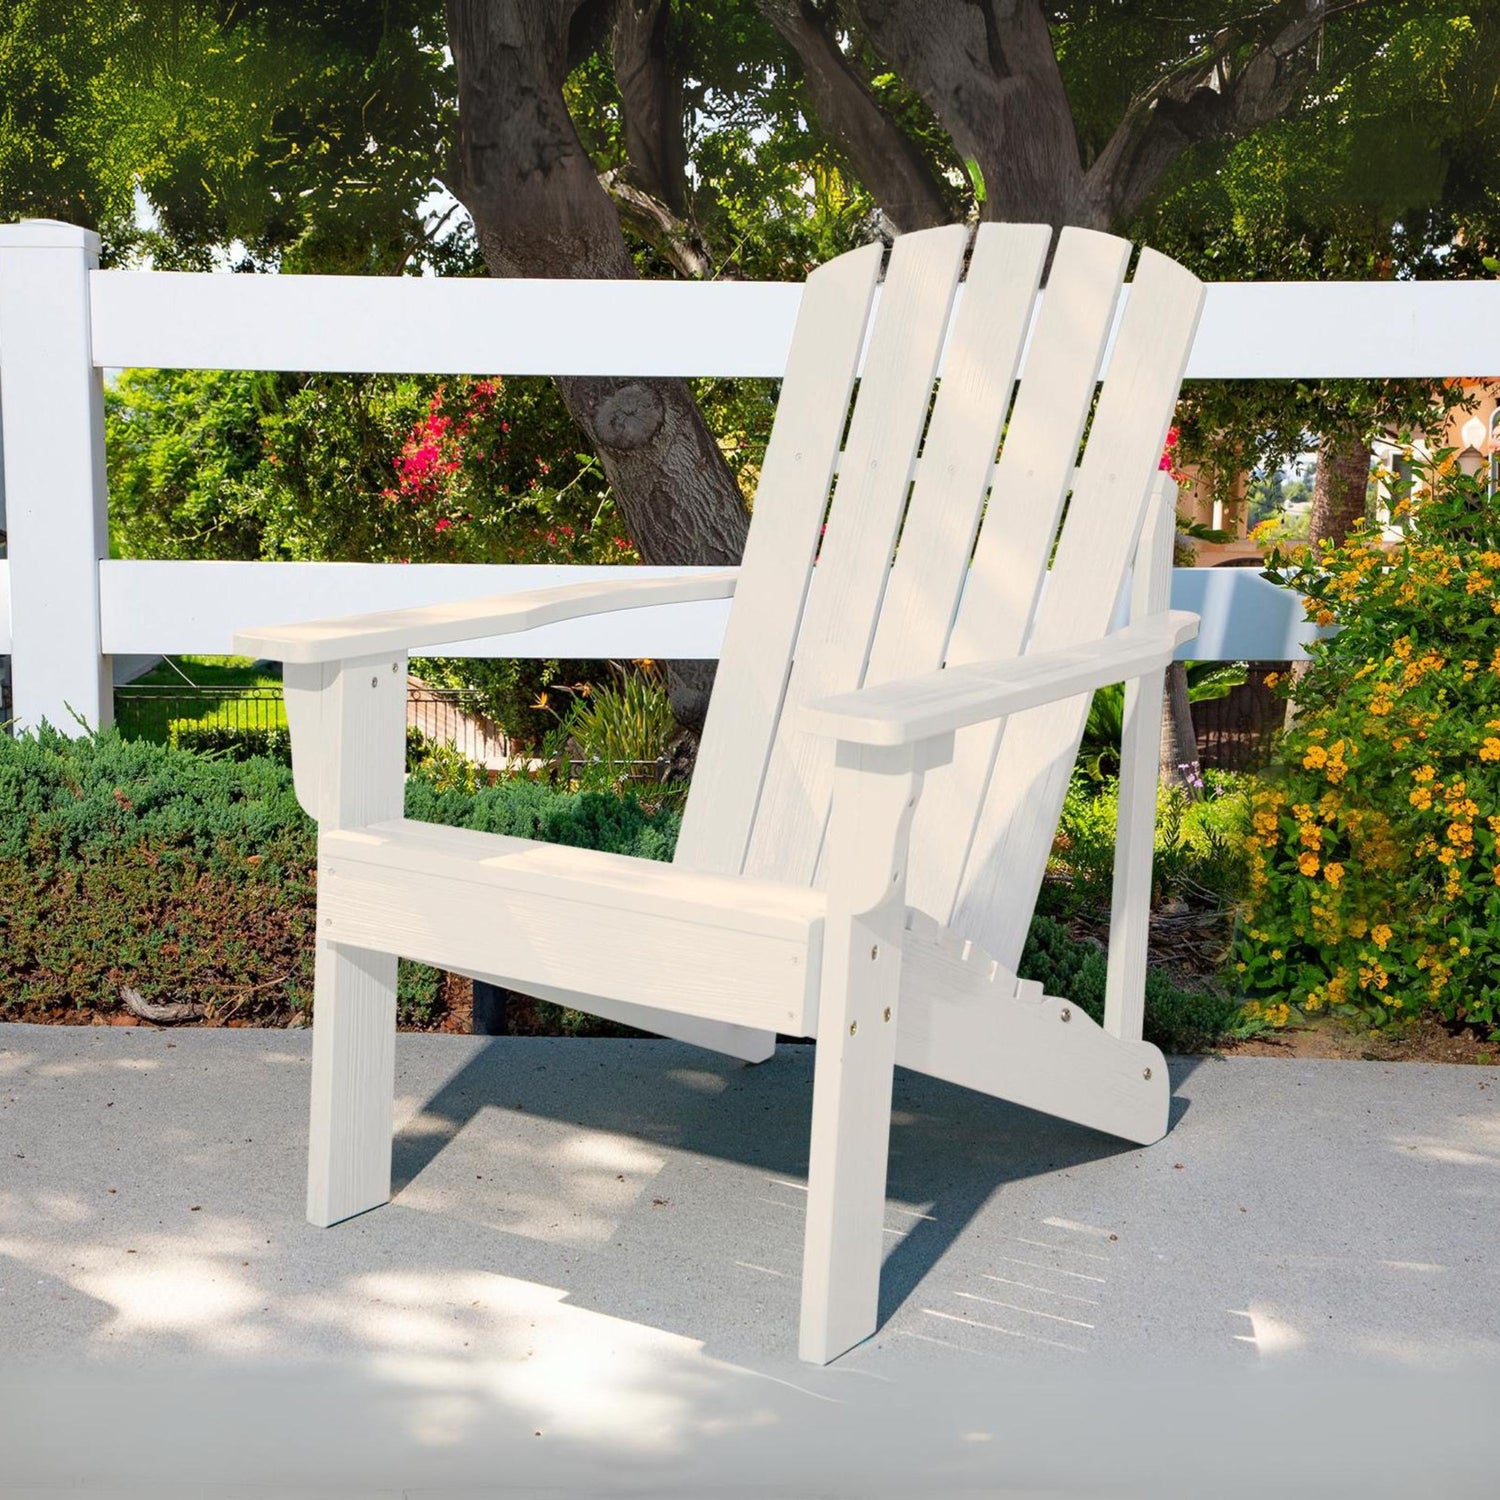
pixel 189 877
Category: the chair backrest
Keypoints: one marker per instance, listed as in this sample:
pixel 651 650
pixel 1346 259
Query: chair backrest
pixel 938 541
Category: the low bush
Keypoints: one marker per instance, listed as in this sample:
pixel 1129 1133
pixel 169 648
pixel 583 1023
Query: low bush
pixel 233 743
pixel 1177 1019
pixel 191 877
pixel 1197 849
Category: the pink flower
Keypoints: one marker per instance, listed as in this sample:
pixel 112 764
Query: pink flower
pixel 441 524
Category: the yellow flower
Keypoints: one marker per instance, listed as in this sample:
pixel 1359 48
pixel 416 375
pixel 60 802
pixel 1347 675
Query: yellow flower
pixel 1272 678
pixel 1490 749
pixel 1380 935
pixel 1420 797
pixel 541 701
pixel 1333 872
pixel 1315 759
pixel 1308 864
pixel 1423 773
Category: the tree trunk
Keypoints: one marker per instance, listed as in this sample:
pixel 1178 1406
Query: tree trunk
pixel 540 210
pixel 650 101
pixel 1341 484
pixel 1179 765
pixel 880 152
pixel 987 69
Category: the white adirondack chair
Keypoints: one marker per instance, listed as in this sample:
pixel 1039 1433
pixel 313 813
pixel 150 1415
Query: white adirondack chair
pixel 819 889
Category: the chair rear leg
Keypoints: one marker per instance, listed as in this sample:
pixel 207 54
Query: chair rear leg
pixel 353 1083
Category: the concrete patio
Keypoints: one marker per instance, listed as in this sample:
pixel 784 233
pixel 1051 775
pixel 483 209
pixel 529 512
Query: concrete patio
pixel 587 1281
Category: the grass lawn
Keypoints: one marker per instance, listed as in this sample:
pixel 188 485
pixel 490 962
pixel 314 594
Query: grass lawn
pixel 199 692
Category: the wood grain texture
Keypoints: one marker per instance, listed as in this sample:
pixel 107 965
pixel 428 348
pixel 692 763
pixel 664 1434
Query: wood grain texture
pixel 1035 471
pixel 875 792
pixel 1038 748
pixel 539 914
pixel 917 708
pixel 869 499
pixel 1140 742
pixel 430 625
pixel 957 464
pixel 356 755
pixel 965 1018
pixel 790 503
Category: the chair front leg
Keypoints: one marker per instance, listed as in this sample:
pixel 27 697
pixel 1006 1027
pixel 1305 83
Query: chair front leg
pixel 353 1083
pixel 875 794
pixel 348 744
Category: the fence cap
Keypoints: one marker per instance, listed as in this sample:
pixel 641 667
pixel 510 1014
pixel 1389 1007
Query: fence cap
pixel 47 234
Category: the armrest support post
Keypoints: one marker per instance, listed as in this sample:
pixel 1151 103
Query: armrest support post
pixel 1140 756
pixel 348 722
pixel 875 793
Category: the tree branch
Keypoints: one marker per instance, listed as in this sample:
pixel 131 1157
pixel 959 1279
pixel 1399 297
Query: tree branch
pixel 654 222
pixel 988 70
pixel 1214 96
pixel 880 153
pixel 651 100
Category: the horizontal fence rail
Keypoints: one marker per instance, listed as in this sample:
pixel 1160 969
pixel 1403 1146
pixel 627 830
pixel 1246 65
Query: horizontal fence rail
pixel 64 612
pixel 184 320
pixel 177 607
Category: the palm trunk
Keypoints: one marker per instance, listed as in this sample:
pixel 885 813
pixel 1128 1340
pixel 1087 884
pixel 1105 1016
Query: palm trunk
pixel 1179 764
pixel 1341 486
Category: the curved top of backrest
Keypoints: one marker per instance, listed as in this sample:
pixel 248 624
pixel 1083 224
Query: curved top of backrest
pixel 896 574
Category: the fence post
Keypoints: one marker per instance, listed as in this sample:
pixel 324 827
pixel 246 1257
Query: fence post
pixel 52 407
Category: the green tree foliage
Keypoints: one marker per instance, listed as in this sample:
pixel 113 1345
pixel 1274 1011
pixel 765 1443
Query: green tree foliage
pixel 354 469
pixel 1388 173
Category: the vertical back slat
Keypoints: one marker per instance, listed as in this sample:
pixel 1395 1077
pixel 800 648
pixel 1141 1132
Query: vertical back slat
pixel 1018 815
pixel 1015 542
pixel 789 507
pixel 989 331
pixel 838 623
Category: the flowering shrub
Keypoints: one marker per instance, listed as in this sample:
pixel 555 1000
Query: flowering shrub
pixel 1372 853
pixel 477 493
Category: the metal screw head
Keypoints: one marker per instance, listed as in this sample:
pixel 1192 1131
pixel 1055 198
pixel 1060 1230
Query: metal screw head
pixel 1065 1014
pixel 887 1012
pixel 853 1027
pixel 875 952
pixel 395 666
pixel 374 682
pixel 1146 1074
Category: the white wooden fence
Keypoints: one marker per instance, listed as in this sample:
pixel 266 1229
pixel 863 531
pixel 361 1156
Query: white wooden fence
pixel 65 609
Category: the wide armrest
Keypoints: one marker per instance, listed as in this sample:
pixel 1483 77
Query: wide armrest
pixel 472 619
pixel 938 703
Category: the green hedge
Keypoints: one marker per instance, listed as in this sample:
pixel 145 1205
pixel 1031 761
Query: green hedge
pixel 188 876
